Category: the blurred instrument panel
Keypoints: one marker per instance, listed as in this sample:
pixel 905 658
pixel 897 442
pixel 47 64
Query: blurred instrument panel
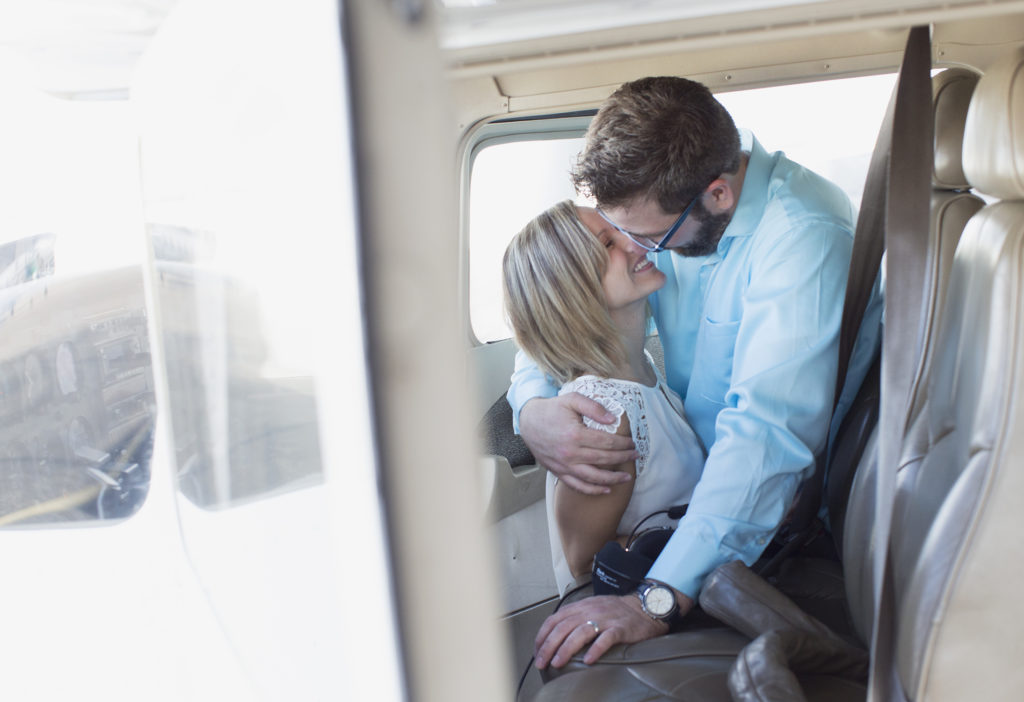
pixel 76 398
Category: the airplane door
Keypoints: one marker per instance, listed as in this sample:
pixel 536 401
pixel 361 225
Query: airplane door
pixel 249 204
pixel 317 484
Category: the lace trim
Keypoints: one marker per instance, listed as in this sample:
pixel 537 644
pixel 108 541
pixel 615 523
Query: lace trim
pixel 617 396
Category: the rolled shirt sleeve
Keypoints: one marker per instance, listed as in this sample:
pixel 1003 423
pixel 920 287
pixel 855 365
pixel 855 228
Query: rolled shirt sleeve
pixel 528 382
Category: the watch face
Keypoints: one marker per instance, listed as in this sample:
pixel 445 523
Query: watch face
pixel 659 600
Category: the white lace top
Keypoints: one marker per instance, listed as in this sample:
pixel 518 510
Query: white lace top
pixel 671 456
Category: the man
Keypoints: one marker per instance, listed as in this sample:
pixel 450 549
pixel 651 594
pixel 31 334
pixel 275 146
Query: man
pixel 756 250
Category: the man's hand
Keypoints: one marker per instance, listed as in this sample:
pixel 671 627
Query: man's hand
pixel 553 430
pixel 602 622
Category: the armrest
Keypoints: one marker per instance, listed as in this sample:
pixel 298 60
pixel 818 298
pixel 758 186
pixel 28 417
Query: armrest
pixel 737 596
pixel 787 640
pixel 506 490
pixel 766 670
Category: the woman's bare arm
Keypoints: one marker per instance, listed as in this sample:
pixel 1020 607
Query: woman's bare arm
pixel 588 522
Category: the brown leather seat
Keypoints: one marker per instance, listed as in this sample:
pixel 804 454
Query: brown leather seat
pixel 684 666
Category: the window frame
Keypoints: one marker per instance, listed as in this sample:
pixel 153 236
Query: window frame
pixel 505 130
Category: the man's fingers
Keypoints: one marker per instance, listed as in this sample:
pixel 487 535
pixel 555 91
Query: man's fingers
pixel 580 636
pixel 601 645
pixel 588 408
pixel 573 453
pixel 545 631
pixel 588 480
pixel 598 456
pixel 552 641
pixel 583 438
pixel 583 488
pixel 577 636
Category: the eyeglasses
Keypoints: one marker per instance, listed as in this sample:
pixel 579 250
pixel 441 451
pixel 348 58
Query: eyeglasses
pixel 641 241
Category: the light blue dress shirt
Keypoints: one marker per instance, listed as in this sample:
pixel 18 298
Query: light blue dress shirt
pixel 750 335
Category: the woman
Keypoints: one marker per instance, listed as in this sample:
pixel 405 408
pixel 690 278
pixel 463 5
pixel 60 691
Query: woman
pixel 576 296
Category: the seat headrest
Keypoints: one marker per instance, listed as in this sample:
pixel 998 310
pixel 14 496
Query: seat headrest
pixel 951 96
pixel 994 136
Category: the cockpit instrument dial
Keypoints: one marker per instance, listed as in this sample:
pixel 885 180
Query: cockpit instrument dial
pixel 67 371
pixel 34 383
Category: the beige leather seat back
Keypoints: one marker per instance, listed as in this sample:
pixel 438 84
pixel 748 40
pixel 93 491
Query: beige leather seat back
pixel 952 205
pixel 956 548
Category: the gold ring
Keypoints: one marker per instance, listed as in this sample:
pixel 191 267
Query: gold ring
pixel 597 629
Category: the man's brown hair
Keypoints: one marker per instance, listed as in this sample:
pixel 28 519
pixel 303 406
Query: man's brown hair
pixel 664 138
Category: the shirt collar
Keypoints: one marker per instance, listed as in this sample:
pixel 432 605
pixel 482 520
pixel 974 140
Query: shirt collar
pixel 753 196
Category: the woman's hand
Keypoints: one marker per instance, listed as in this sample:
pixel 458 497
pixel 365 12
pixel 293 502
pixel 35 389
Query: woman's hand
pixel 553 430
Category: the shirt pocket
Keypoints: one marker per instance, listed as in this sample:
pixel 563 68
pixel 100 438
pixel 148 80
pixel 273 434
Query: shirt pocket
pixel 712 366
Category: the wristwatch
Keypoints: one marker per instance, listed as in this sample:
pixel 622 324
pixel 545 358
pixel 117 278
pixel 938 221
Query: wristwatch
pixel 658 601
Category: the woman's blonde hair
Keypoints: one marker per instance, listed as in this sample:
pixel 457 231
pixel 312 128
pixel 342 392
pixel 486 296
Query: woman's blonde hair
pixel 554 299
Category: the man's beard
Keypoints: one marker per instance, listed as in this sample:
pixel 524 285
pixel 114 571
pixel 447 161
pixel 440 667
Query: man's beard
pixel 705 241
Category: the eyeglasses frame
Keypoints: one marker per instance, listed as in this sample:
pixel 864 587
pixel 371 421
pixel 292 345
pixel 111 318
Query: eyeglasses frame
pixel 660 246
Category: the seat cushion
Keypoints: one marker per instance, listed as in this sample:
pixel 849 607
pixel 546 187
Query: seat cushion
pixel 685 667
pixel 691 665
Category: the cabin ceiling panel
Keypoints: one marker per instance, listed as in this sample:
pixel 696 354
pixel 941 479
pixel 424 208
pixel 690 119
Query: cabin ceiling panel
pixel 976 42
pixel 580 80
pixel 718 81
pixel 557 44
pixel 721 68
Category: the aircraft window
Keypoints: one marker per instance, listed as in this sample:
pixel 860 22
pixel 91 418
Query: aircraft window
pixel 828 126
pixel 246 210
pixel 76 387
pixel 243 406
pixel 511 182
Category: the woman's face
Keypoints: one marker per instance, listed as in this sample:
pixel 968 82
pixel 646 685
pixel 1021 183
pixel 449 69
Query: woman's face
pixel 630 276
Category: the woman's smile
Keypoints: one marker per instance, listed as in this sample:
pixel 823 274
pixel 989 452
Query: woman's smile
pixel 643 265
pixel 630 276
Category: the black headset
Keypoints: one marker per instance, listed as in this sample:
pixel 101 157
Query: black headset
pixel 618 570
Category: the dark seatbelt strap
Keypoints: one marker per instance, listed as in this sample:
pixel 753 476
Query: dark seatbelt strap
pixel 865 264
pixel 908 185
pixel 868 246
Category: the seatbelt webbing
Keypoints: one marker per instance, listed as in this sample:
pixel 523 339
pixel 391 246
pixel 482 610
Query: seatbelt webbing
pixel 865 263
pixel 868 246
pixel 906 199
